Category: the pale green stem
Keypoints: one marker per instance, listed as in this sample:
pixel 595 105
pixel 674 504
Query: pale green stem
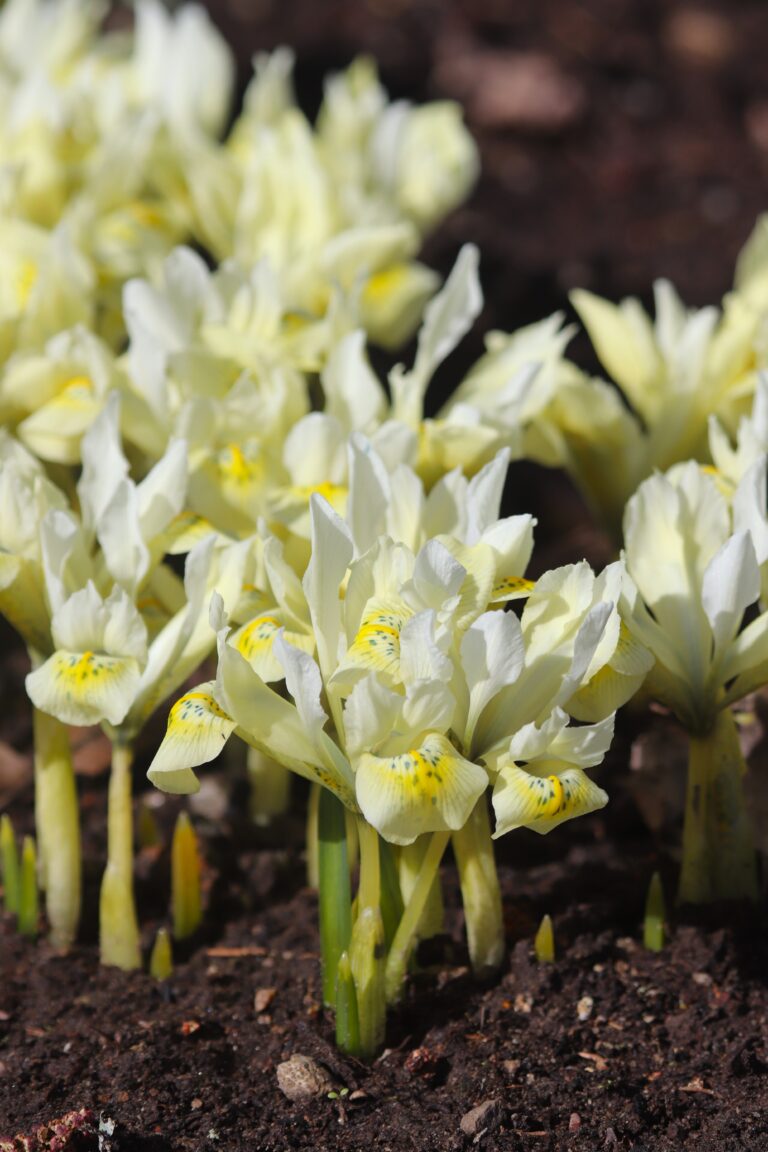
pixel 369 891
pixel 118 924
pixel 480 891
pixel 400 951
pixel 335 890
pixel 58 831
pixel 353 848
pixel 270 785
pixel 410 864
pixel 718 846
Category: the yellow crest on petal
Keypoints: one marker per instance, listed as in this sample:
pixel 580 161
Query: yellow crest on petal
pixel 523 800
pixel 198 728
pixel 429 788
pixel 85 687
pixel 511 588
pixel 255 641
pixel 377 642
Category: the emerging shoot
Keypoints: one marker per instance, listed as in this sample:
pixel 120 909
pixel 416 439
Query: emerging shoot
pixel 9 857
pixel 544 942
pixel 186 899
pixel 29 911
pixel 653 924
pixel 347 1019
pixel 161 957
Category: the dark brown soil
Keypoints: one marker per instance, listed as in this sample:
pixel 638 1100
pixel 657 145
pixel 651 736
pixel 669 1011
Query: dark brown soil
pixel 611 1047
pixel 637 149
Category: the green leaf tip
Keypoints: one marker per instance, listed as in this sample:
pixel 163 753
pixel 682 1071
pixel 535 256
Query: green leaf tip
pixel 544 942
pixel 29 910
pixel 186 897
pixel 347 1018
pixel 655 912
pixel 161 958
pixel 9 860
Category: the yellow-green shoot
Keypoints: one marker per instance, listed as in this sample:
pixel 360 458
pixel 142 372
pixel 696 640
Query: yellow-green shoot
pixel 29 910
pixel 544 942
pixel 186 898
pixel 161 957
pixel 653 924
pixel 9 857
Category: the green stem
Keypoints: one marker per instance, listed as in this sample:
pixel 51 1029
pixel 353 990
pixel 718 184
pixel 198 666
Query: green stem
pixel 411 860
pixel 399 953
pixel 480 891
pixel 335 890
pixel 367 950
pixel 270 785
pixel 118 924
pixel 58 830
pixel 718 847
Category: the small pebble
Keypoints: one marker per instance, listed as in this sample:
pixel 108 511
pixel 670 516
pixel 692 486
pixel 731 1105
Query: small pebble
pixel 584 1008
pixel 263 998
pixel 574 1124
pixel 481 1118
pixel 301 1078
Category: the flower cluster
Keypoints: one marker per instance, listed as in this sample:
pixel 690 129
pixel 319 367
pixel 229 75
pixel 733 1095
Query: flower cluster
pixel 186 304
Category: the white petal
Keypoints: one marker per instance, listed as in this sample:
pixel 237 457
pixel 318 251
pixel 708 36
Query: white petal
pixel 104 464
pixel 492 656
pixel 331 554
pixel 421 657
pixel 430 788
pixel 305 684
pixel 353 392
pixel 84 688
pixel 731 583
pixel 484 496
pixel 369 494
pixel 371 712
